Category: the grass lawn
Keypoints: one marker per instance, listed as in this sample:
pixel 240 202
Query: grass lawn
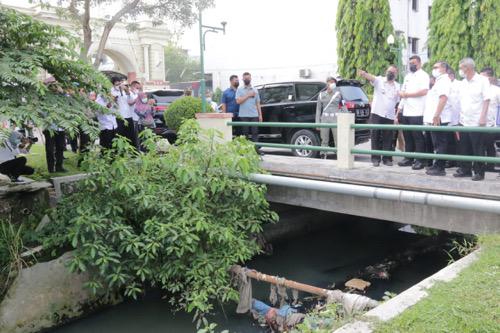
pixel 469 303
pixel 36 159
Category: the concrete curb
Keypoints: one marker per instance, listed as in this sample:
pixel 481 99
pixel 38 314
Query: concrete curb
pixel 395 306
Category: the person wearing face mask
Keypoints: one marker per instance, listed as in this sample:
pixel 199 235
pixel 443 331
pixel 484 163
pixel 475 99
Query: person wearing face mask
pixel 415 87
pixel 438 112
pixel 248 99
pixel 228 100
pixel 385 99
pixel 327 107
pixel 474 104
pixel 135 89
pixel 211 102
pixel 121 94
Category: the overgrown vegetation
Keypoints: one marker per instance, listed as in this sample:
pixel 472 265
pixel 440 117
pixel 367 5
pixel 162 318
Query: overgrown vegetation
pixel 325 319
pixel 177 221
pixel 467 304
pixel 11 246
pixel 182 109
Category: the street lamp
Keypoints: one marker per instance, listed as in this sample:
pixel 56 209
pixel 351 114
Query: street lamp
pixel 395 46
pixel 202 49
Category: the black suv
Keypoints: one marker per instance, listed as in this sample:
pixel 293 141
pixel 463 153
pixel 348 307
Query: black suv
pixel 296 102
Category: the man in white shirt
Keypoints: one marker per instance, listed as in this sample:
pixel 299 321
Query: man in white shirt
pixel 135 89
pixel 493 113
pixel 107 122
pixel 474 103
pixel 438 112
pixel 121 94
pixel 385 98
pixel 413 92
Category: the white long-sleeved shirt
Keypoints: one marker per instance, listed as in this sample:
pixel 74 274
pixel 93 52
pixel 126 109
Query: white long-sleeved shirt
pixel 106 121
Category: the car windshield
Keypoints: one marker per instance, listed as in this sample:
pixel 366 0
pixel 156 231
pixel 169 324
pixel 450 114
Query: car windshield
pixel 166 97
pixel 353 93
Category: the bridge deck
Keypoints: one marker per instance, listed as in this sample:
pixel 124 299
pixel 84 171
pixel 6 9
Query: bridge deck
pixel 397 177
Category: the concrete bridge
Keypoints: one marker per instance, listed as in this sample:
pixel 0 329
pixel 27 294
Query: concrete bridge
pixel 387 193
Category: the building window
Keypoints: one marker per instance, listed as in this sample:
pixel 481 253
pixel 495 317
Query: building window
pixel 413 45
pixel 414 5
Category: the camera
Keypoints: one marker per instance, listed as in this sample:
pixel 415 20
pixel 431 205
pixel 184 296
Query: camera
pixel 32 139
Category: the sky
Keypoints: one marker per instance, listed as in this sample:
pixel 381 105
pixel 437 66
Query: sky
pixel 263 34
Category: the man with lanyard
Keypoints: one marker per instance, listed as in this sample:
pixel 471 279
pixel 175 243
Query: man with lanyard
pixel 474 103
pixel 415 87
pixel 248 99
pixel 228 100
pixel 385 99
pixel 107 122
pixel 121 94
pixel 438 112
pixel 327 107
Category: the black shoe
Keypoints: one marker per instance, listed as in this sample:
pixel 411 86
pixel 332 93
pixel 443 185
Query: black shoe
pixel 61 169
pixel 405 163
pixel 427 168
pixel 388 163
pixel 462 174
pixel 450 164
pixel 376 163
pixel 478 177
pixel 417 166
pixel 435 172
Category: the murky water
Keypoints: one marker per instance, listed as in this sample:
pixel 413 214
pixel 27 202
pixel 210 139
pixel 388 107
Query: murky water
pixel 318 258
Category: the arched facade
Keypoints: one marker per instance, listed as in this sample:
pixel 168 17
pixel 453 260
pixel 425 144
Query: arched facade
pixel 138 54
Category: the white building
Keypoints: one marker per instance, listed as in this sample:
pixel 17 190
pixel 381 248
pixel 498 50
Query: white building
pixel 410 20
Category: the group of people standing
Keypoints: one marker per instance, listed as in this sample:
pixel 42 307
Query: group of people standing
pixel 439 100
pixel 134 108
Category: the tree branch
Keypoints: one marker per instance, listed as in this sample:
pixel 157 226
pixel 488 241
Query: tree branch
pixel 109 25
pixel 87 31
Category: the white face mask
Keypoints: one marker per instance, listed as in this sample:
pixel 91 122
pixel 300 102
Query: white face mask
pixel 144 100
pixel 332 86
pixel 461 73
pixel 436 73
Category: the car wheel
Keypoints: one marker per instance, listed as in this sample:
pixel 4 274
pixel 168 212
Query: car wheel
pixel 304 138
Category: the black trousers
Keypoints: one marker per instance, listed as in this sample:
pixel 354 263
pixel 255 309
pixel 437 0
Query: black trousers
pixel 245 130
pixel 472 144
pixel 106 138
pixel 414 140
pixel 16 167
pixel 381 139
pixel 128 129
pixel 440 142
pixel 55 143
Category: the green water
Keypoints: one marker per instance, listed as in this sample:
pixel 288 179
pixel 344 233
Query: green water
pixel 317 258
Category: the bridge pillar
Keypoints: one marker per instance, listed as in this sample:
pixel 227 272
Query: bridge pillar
pixel 345 138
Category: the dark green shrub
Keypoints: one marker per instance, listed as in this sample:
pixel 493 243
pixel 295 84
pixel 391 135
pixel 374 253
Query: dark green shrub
pixel 182 109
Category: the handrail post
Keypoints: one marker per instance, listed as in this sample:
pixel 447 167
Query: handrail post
pixel 345 138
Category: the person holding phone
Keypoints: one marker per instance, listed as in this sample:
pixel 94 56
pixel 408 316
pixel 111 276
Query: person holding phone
pixel 248 99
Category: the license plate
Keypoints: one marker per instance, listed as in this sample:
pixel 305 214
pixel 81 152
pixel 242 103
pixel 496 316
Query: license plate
pixel 362 112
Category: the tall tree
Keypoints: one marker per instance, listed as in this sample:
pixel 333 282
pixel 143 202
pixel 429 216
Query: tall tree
pixel 345 36
pixel 362 31
pixel 80 11
pixel 470 29
pixel 179 67
pixel 485 33
pixel 449 38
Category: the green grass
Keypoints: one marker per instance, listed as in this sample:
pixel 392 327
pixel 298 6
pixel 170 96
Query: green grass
pixel 36 159
pixel 469 303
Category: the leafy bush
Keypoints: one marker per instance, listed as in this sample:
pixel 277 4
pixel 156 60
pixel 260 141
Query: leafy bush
pixel 28 48
pixel 182 109
pixel 177 221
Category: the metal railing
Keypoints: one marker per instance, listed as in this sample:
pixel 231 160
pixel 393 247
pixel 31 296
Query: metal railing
pixel 349 124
